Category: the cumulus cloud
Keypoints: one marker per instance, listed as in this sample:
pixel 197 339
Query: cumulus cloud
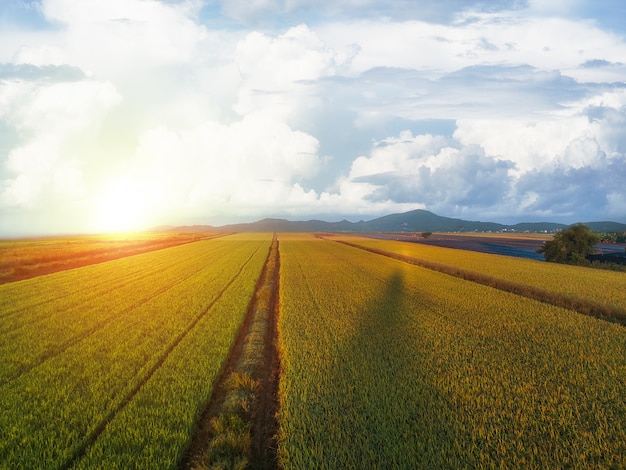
pixel 550 167
pixel 111 35
pixel 46 166
pixel 279 73
pixel 433 171
pixel 145 111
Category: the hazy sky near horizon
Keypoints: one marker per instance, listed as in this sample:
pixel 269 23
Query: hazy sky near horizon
pixel 125 114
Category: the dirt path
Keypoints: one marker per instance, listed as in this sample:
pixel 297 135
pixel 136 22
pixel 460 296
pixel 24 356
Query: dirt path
pixel 257 359
pixel 265 426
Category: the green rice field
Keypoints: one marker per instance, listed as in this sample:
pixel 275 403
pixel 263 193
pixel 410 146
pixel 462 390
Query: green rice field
pixel 108 366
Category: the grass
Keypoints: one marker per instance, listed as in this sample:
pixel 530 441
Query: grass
pixel 383 363
pixel 239 416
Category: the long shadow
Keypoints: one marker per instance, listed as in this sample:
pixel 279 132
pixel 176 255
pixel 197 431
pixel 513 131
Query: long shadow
pixel 608 312
pixel 405 420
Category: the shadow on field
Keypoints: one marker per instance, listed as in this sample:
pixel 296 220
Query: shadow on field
pixel 403 419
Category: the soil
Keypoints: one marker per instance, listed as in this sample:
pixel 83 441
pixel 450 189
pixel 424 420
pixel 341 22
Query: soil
pixel 264 425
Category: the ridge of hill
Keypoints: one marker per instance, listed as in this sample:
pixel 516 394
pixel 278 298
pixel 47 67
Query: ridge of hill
pixel 418 220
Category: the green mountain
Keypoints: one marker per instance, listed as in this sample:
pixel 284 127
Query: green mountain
pixel 606 227
pixel 425 221
pixel 413 221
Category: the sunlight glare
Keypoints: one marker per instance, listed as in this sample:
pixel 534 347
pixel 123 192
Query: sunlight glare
pixel 120 208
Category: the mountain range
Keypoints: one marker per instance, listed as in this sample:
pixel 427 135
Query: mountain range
pixel 413 221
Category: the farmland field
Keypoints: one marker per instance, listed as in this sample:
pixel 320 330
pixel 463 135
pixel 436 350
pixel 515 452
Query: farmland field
pixel 110 365
pixel 23 259
pixel 592 285
pixel 383 363
pixel 386 364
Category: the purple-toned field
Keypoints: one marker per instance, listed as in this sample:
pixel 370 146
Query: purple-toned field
pixel 522 247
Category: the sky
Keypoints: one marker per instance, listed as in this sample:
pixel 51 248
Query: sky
pixel 122 115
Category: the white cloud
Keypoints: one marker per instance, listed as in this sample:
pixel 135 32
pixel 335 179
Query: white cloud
pixel 554 139
pixel 553 7
pixel 255 164
pixel 278 72
pixel 136 105
pixel 505 38
pixel 432 171
pixel 52 120
pixel 117 37
pixel 58 108
pixel 570 164
pixel 263 12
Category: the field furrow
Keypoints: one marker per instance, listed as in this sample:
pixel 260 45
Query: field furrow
pixel 52 412
pixel 75 318
pixel 45 296
pixel 119 420
pixel 580 287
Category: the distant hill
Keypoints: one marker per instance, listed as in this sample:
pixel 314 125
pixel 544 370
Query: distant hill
pixel 413 221
pixel 606 226
pixel 424 221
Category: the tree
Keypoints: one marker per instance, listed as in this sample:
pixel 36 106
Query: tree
pixel 426 234
pixel 570 246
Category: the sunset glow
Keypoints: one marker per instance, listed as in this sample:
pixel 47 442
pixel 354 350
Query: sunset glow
pixel 120 114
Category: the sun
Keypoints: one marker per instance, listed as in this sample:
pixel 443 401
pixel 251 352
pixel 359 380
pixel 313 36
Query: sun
pixel 120 208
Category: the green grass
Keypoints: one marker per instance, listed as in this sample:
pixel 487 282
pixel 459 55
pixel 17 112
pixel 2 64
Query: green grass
pixel 230 444
pixel 27 258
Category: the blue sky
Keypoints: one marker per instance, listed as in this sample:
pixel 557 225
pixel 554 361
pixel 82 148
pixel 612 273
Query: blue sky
pixel 125 114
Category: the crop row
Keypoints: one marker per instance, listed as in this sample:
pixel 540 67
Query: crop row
pixel 19 298
pixel 587 290
pixel 23 259
pixel 389 364
pixel 128 394
pixel 33 334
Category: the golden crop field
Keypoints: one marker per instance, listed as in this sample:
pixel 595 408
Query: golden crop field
pixel 374 362
pixel 23 259
pixel 385 364
pixel 110 365
pixel 596 286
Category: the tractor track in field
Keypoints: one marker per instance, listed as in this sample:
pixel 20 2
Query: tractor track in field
pixel 120 280
pixel 265 426
pixel 91 437
pixel 262 420
pixel 61 348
